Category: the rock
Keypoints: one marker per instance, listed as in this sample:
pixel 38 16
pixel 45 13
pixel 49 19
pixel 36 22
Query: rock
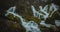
pixel 10 26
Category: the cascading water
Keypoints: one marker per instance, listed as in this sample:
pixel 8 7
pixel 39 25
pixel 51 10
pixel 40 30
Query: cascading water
pixel 30 26
pixel 45 10
pixel 57 22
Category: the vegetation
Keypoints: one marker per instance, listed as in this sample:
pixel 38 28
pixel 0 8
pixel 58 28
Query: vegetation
pixel 29 18
pixel 11 16
pixel 17 19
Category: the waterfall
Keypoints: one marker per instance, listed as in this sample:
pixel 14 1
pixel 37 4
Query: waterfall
pixel 41 10
pixel 44 24
pixel 36 13
pixel 57 22
pixel 11 10
pixel 45 10
pixel 53 8
pixel 30 26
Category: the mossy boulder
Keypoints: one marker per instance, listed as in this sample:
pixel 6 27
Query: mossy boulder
pixel 17 19
pixel 29 18
pixel 11 16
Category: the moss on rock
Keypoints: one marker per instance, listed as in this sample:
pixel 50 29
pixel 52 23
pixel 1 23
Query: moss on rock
pixel 11 16
pixel 29 18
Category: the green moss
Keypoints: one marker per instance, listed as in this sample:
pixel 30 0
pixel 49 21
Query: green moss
pixel 53 15
pixel 11 16
pixel 17 19
pixel 16 23
pixel 29 18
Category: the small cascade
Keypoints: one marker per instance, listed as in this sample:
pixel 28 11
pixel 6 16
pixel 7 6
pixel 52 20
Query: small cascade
pixel 44 24
pixel 57 22
pixel 30 26
pixel 11 10
pixel 44 10
pixel 53 8
pixel 36 13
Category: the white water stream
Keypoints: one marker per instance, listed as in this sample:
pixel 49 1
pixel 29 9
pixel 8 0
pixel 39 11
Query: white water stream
pixel 30 26
pixel 45 10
